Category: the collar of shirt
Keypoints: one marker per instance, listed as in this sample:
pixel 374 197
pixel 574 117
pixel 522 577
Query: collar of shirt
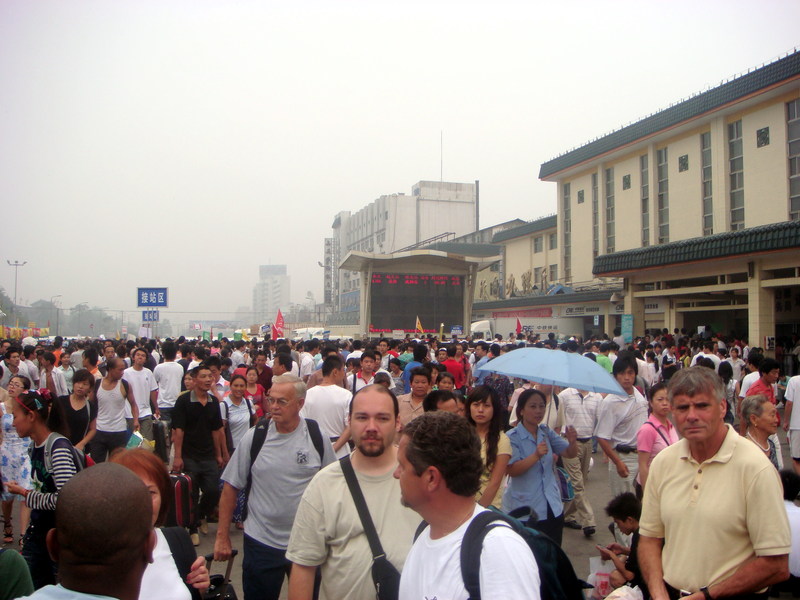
pixel 725 451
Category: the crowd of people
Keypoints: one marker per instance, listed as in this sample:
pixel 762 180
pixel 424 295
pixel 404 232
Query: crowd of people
pixel 329 455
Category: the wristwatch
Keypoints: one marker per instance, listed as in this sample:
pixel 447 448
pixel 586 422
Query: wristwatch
pixel 706 593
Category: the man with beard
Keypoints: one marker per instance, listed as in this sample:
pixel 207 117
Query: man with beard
pixel 327 530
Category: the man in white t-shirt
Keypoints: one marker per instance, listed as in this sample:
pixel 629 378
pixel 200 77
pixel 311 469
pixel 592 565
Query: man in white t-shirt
pixel 327 530
pixel 708 352
pixel 753 363
pixel 791 420
pixel 366 375
pixel 168 376
pixel 439 481
pixel 145 391
pixel 307 359
pixel 329 404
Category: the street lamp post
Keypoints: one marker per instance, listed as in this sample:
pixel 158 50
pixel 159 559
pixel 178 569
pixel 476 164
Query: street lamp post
pixel 16 264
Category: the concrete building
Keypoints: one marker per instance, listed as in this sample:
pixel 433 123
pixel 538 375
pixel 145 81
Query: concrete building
pixel 392 223
pixel 271 292
pixel 696 208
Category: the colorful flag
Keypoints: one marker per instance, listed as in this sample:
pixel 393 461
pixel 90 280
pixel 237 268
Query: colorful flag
pixel 519 326
pixel 419 326
pixel 277 329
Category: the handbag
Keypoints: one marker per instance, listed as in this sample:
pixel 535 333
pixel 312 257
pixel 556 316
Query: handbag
pixel 384 575
pixel 564 484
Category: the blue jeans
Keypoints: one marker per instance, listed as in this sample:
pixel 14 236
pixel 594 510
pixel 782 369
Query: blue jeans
pixel 263 570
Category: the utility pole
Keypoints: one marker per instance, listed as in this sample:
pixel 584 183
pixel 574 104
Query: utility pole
pixel 16 264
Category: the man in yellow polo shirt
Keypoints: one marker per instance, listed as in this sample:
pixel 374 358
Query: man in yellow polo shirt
pixel 711 521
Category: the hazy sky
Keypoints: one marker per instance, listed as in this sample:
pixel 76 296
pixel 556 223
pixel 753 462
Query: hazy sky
pixel 183 143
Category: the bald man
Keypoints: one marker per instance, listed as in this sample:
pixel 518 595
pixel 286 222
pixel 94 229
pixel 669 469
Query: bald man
pixel 104 538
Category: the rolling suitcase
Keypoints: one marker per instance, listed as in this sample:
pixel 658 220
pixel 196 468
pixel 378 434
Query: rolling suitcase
pixel 182 511
pixel 221 588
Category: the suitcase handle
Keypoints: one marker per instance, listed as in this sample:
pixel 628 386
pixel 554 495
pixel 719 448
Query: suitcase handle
pixel 210 558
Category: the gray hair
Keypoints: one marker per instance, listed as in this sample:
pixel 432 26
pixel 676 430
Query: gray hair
pixel 299 387
pixel 753 406
pixel 696 380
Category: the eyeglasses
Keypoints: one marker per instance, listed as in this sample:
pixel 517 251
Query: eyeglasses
pixel 279 401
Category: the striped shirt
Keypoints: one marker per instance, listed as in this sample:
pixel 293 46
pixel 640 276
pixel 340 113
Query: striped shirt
pixel 580 410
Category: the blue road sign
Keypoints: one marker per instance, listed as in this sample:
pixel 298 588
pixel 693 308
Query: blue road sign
pixel 151 297
pixel 149 316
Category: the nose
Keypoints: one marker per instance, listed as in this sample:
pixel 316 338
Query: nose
pixel 396 473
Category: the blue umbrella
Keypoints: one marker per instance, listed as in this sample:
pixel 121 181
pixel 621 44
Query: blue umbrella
pixel 555 367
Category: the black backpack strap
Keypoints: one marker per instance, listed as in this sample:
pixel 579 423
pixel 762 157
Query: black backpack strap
pixel 259 437
pixel 472 546
pixel 661 433
pixel 183 553
pixel 316 438
pixel 362 508
pixel 420 528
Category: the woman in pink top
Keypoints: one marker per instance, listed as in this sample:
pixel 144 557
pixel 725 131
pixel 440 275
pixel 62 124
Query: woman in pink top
pixel 656 434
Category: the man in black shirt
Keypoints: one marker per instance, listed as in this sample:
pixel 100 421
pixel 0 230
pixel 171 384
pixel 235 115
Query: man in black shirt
pixel 199 441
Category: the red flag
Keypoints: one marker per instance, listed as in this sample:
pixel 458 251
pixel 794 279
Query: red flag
pixel 519 326
pixel 278 327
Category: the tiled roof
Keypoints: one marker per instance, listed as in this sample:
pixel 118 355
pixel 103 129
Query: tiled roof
pixel 528 228
pixel 744 85
pixel 775 236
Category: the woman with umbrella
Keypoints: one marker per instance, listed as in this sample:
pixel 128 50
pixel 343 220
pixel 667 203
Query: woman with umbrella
pixel 533 482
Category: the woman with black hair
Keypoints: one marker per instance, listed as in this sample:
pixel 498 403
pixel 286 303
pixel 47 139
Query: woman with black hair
pixel 52 464
pixel 485 412
pixel 15 462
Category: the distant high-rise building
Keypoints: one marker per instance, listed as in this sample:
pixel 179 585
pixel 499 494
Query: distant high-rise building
pixel 394 222
pixel 271 292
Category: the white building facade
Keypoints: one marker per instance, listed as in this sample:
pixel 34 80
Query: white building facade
pixel 271 292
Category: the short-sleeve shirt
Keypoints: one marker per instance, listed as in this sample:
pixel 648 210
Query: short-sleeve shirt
pixel 78 420
pixel 281 472
pixel 793 395
pixel 503 448
pixel 653 437
pixel 734 498
pixel 620 417
pixel 237 416
pixel 536 487
pixel 198 422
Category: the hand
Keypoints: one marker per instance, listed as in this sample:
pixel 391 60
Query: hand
pixel 786 426
pixel 222 546
pixel 12 487
pixel 80 446
pixel 136 425
pixel 571 434
pixel 541 449
pixel 220 461
pixel 177 465
pixel 198 576
pixel 622 470
pixel 157 414
pixel 617 548
pixel 605 553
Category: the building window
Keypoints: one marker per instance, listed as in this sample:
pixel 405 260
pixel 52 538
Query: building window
pixel 793 123
pixel 537 277
pixel 553 273
pixel 644 169
pixel 610 237
pixel 663 196
pixel 736 174
pixel 708 205
pixel 683 163
pixel 595 218
pixel 553 241
pixel 580 196
pixel 537 244
pixel 626 182
pixel 762 137
pixel 567 230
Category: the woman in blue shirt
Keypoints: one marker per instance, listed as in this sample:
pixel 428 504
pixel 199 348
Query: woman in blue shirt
pixel 533 482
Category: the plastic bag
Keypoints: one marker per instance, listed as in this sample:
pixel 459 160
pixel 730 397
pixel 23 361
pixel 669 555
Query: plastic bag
pixel 626 593
pixel 599 576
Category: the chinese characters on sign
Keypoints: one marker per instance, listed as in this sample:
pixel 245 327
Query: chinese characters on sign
pixel 149 316
pixel 151 297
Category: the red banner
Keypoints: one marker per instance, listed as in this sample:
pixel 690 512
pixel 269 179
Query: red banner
pixel 531 312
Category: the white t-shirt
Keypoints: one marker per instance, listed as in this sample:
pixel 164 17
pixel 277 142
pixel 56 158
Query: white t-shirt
pixel 58 380
pixel 238 417
pixel 168 376
pixel 714 358
pixel 433 567
pixel 141 384
pixel 793 513
pixel 161 579
pixel 306 365
pixel 793 395
pixel 748 380
pixel 329 406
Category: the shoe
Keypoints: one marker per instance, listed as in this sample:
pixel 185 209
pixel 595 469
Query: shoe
pixel 195 539
pixel 8 532
pixel 203 526
pixel 588 531
pixel 571 525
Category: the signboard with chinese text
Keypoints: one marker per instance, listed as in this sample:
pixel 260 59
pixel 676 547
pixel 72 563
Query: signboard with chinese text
pixel 151 297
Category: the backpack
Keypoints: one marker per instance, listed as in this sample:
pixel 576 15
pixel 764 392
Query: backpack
pixel 79 458
pixel 556 574
pixel 260 436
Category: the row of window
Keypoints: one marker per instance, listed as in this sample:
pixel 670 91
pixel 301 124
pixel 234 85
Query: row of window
pixel 538 242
